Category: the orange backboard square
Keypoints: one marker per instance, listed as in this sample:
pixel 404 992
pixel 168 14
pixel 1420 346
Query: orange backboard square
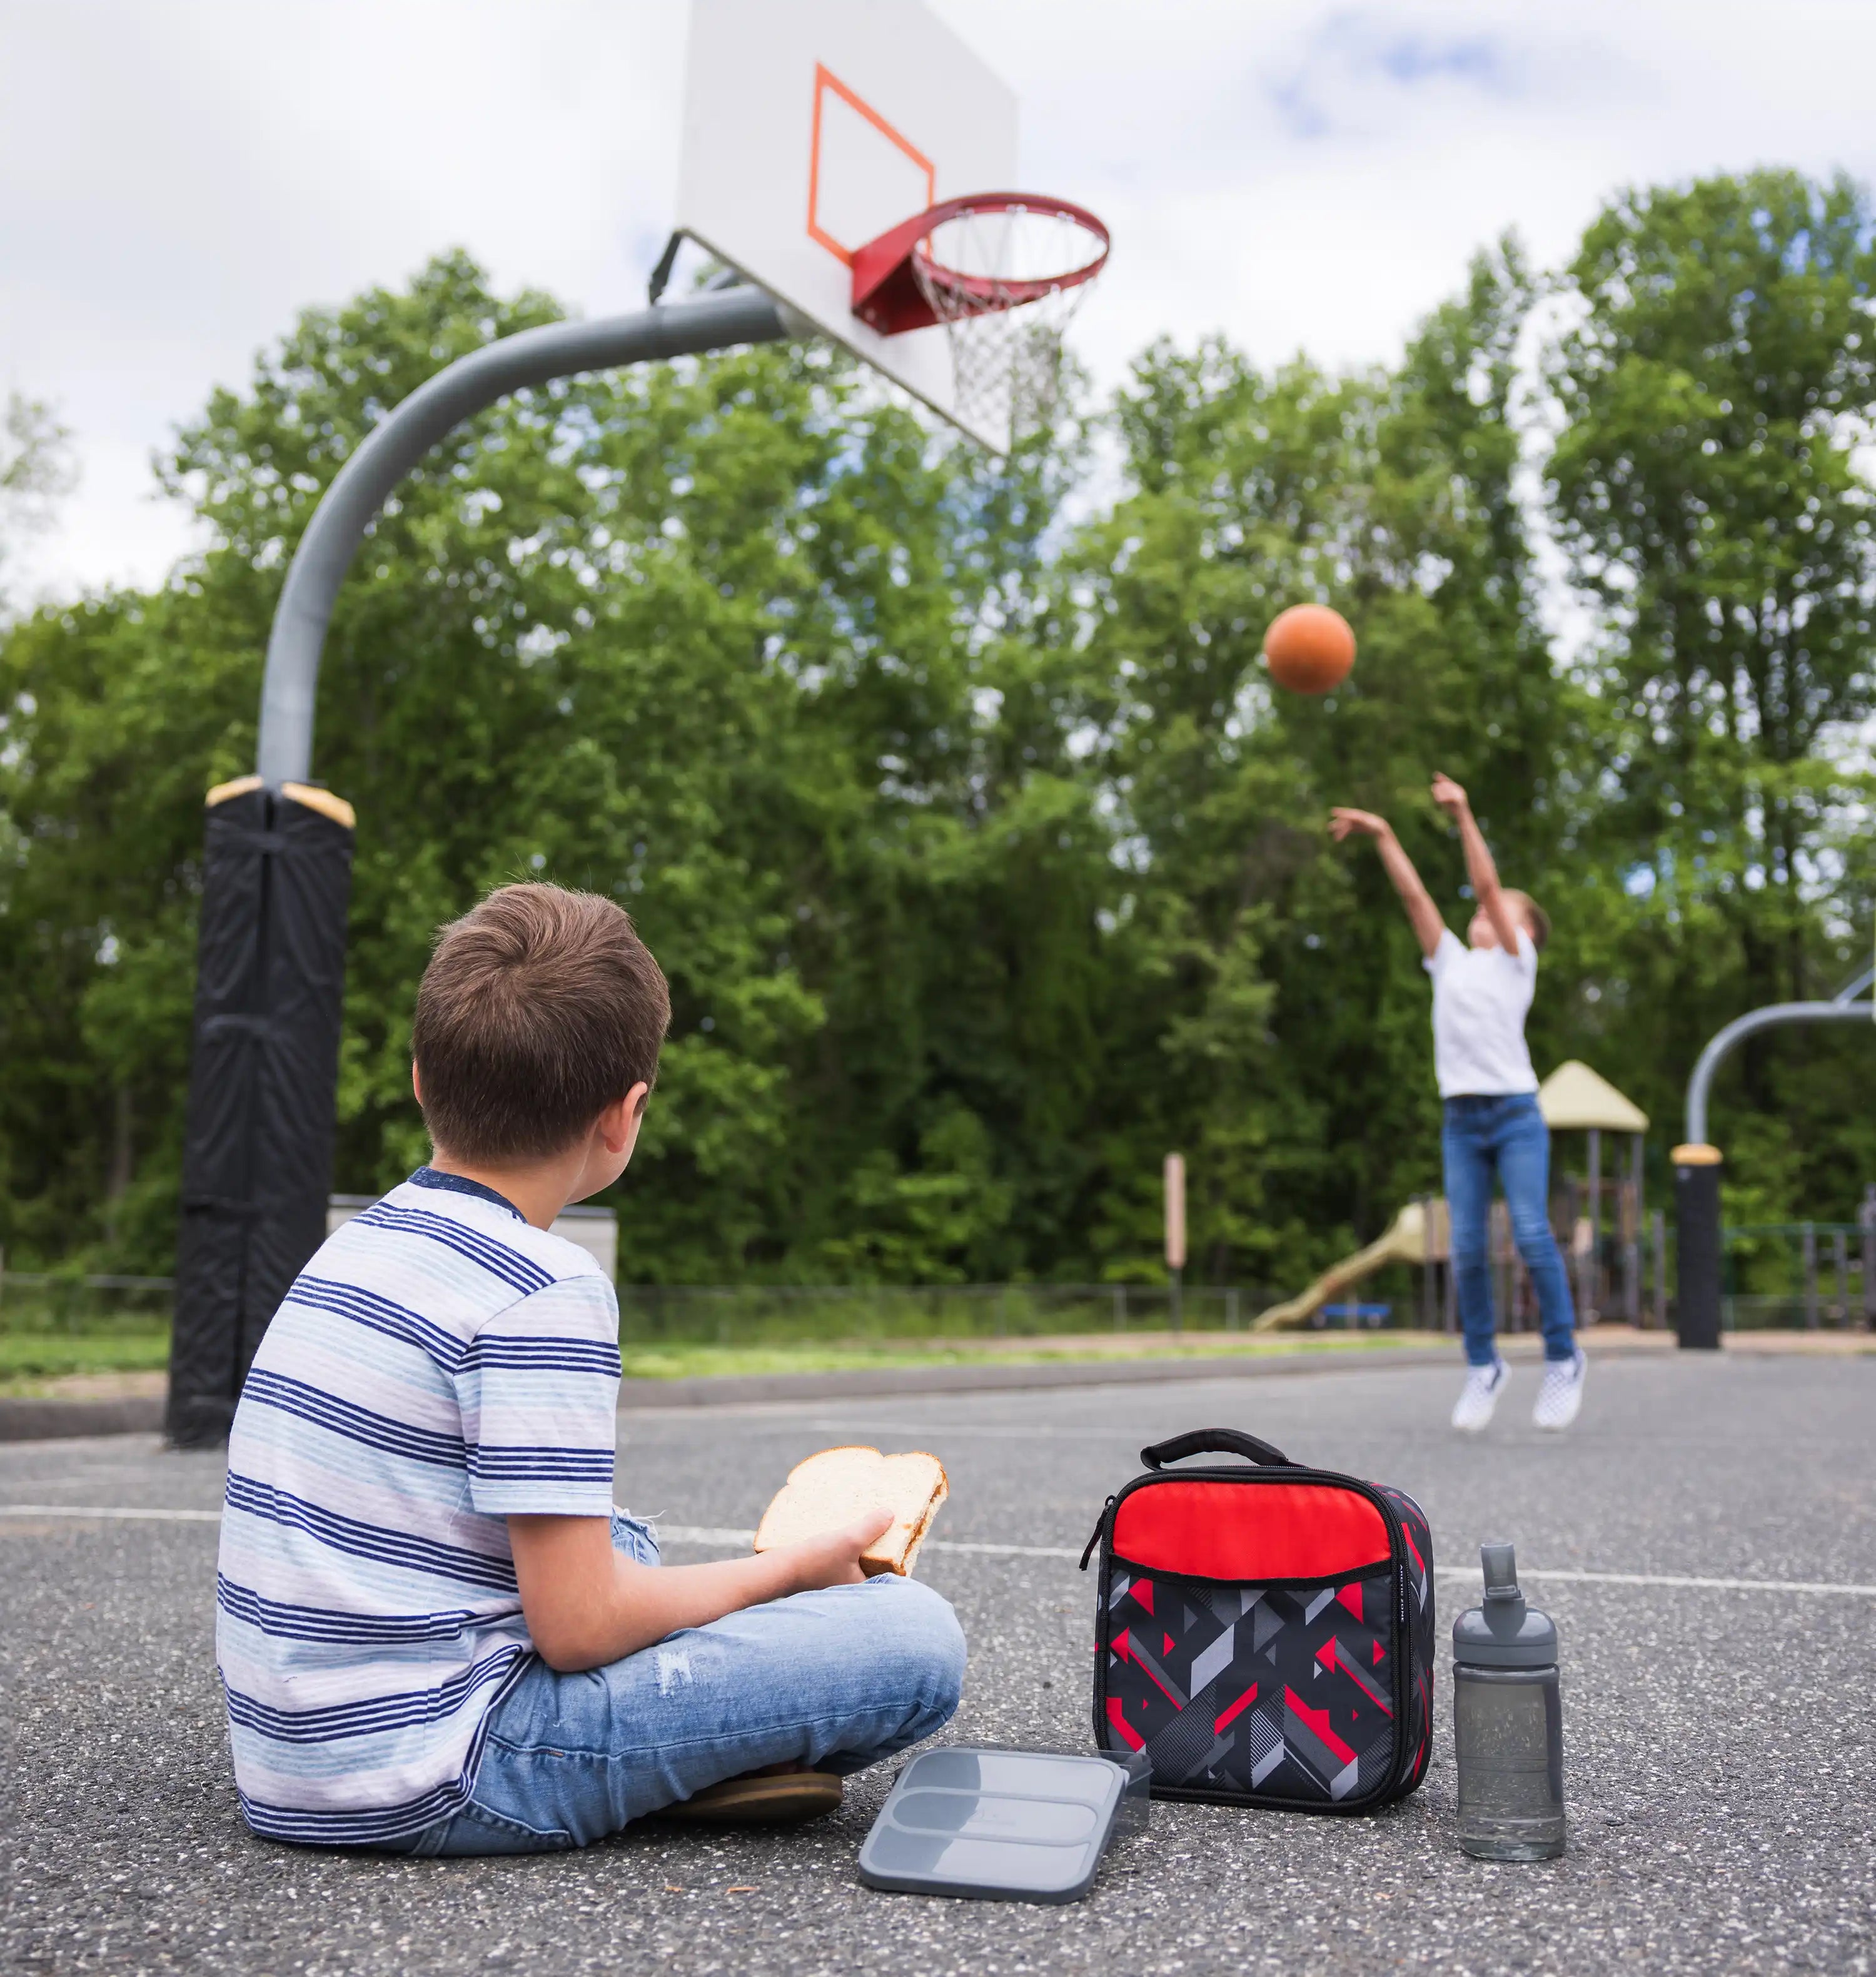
pixel 826 84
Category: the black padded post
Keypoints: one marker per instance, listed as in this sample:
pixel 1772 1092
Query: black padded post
pixel 1696 1229
pixel 257 1159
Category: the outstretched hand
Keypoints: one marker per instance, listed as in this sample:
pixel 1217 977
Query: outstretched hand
pixel 1449 797
pixel 1344 823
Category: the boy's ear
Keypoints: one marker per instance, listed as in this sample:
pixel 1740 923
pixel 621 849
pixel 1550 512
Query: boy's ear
pixel 628 1109
pixel 417 1083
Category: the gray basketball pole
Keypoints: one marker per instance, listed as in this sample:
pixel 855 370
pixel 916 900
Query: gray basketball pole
pixel 1698 1262
pixel 276 879
pixel 433 410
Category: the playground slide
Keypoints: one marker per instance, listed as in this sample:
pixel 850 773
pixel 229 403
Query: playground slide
pixel 1403 1241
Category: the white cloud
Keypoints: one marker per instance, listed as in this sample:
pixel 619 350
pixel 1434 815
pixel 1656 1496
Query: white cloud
pixel 175 182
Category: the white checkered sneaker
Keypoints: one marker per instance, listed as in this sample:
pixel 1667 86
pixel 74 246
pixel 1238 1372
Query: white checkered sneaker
pixel 1480 1395
pixel 1561 1393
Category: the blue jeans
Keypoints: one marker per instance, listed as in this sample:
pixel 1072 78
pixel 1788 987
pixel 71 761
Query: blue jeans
pixel 1507 1133
pixel 837 1679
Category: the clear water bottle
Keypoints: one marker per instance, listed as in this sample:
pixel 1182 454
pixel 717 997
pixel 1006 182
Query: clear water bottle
pixel 1508 1721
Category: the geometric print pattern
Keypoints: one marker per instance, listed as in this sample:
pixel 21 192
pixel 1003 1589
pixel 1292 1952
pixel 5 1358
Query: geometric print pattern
pixel 1287 1691
pixel 1283 1692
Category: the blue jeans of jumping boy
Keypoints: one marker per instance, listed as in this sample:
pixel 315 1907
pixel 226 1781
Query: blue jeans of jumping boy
pixel 837 1679
pixel 1507 1134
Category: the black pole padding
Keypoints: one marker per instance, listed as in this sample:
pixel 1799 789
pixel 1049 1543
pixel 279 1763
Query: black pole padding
pixel 1696 1230
pixel 263 1080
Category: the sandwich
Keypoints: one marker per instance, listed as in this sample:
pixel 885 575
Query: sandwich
pixel 831 1488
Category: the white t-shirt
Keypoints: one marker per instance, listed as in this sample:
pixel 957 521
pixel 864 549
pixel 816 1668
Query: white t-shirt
pixel 1481 997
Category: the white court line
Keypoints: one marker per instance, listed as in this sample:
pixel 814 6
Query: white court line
pixel 692 1534
pixel 706 1535
pixel 713 1534
pixel 687 1534
pixel 1002 1550
pixel 109 1510
pixel 1571 1577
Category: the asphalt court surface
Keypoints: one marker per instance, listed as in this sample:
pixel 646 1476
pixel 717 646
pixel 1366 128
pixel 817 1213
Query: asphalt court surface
pixel 1719 1739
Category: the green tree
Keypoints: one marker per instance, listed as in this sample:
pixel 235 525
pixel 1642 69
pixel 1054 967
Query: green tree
pixel 1268 1003
pixel 1714 385
pixel 987 864
pixel 35 468
pixel 709 636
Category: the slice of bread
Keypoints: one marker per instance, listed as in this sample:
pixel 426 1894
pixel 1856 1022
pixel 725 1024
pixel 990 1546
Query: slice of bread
pixel 833 1488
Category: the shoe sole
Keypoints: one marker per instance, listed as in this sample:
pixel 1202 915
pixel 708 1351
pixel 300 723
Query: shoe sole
pixel 785 1801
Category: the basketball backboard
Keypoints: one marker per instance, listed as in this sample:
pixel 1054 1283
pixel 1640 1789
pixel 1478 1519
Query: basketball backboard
pixel 811 127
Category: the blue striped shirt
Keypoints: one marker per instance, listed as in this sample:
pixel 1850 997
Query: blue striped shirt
pixel 439 1365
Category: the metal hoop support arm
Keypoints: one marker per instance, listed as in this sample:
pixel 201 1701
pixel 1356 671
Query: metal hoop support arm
pixel 289 690
pixel 1700 1084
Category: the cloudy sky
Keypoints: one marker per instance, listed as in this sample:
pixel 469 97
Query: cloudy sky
pixel 178 177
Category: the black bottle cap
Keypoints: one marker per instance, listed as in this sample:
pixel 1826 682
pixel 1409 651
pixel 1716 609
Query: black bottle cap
pixel 1503 1632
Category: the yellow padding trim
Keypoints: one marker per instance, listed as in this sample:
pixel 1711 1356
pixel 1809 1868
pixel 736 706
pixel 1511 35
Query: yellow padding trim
pixel 1695 1154
pixel 323 801
pixel 238 787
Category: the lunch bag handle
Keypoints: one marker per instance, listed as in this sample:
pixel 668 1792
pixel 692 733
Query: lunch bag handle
pixel 1218 1440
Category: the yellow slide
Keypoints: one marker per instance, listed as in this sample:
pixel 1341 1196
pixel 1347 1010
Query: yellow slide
pixel 1404 1241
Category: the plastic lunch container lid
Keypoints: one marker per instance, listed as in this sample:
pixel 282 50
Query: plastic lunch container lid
pixel 1002 1825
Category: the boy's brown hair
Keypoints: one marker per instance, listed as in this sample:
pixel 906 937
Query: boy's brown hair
pixel 539 1009
pixel 1536 919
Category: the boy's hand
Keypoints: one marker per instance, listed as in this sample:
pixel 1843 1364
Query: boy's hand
pixel 1449 797
pixel 835 1560
pixel 1344 823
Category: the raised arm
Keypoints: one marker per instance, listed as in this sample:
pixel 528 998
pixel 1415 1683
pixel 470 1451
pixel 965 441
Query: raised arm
pixel 1479 867
pixel 1422 913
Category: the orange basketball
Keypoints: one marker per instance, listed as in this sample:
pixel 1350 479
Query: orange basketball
pixel 1309 649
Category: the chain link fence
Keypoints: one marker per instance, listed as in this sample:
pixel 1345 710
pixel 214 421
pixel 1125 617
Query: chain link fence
pixel 54 1322
pixel 1811 1275
pixel 827 1314
pixel 1808 1275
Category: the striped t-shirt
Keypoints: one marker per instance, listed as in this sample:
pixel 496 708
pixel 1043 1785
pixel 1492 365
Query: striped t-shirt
pixel 439 1364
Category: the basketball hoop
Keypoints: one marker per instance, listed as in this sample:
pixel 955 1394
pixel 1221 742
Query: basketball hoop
pixel 1003 273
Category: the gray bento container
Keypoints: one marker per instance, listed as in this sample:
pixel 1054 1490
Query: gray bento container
pixel 1013 1826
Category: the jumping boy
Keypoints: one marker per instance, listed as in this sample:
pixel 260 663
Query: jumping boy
pixel 1482 994
pixel 436 1634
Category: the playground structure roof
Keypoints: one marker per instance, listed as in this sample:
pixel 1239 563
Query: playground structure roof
pixel 1574 1099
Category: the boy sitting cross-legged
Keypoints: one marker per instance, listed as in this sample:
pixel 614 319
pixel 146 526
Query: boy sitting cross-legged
pixel 436 1634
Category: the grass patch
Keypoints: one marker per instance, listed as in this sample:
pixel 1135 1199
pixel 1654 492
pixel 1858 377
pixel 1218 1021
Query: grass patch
pixel 50 1330
pixel 28 1356
pixel 678 1361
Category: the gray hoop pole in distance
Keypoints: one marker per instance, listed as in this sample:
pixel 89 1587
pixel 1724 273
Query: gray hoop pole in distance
pixel 276 881
pixel 1696 1165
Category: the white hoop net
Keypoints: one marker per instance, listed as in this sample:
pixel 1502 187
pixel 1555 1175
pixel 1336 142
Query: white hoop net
pixel 1001 281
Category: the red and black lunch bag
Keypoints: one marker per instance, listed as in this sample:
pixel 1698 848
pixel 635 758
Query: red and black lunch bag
pixel 1265 1631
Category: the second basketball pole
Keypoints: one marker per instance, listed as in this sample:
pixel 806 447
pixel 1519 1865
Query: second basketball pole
pixel 1175 1235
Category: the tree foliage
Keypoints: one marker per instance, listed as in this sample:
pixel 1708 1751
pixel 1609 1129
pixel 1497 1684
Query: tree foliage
pixel 35 467
pixel 1714 393
pixel 984 861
